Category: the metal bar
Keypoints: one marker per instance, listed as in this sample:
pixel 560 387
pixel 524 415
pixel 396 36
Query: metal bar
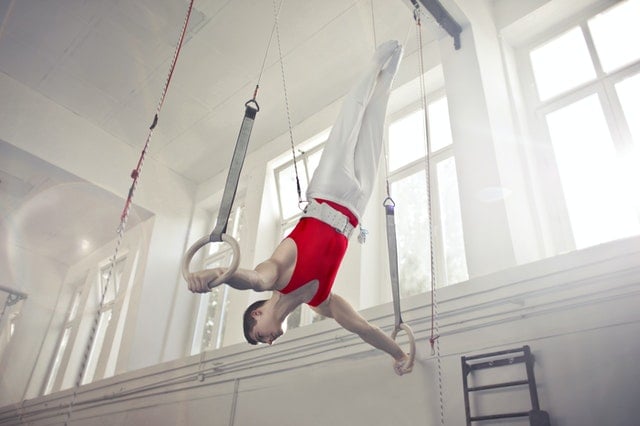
pixel 12 291
pixel 498 385
pixel 497 363
pixel 465 385
pixel 533 389
pixel 492 354
pixel 443 18
pixel 500 416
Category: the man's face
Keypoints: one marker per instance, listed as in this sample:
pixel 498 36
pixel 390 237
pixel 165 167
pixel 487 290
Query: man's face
pixel 267 329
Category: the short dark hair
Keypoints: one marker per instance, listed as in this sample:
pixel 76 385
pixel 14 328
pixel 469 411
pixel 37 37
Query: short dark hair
pixel 249 321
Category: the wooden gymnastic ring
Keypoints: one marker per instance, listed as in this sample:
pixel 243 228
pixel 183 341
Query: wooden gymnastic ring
pixel 235 260
pixel 412 342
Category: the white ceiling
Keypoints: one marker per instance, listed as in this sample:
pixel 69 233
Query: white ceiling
pixel 49 212
pixel 107 60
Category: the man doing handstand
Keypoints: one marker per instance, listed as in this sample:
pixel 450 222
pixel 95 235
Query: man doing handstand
pixel 303 267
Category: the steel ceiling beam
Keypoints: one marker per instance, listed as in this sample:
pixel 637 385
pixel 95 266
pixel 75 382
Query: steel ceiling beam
pixel 443 18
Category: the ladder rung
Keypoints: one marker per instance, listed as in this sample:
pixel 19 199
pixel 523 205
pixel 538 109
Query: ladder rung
pixel 497 363
pixel 499 416
pixel 499 385
pixel 492 354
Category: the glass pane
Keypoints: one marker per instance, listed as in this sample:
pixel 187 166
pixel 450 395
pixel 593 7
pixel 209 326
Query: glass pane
pixel 562 64
pixel 215 248
pixel 286 230
pixel 288 189
pixel 629 94
pixel 57 360
pixel 406 140
pixel 74 306
pixel 596 195
pixel 616 33
pixel 96 348
pixel 312 162
pixel 439 124
pixel 234 228
pixel 217 305
pixel 106 285
pixel 110 280
pixel 210 326
pixel 412 233
pixel 451 218
pixel 294 319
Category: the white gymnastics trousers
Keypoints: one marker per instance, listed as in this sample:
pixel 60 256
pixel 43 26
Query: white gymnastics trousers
pixel 349 164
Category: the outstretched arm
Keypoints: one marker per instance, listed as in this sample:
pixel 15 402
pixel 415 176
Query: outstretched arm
pixel 339 309
pixel 261 278
pixel 269 275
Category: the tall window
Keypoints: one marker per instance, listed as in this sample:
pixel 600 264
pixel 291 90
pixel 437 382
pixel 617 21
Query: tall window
pixel 110 283
pixel 305 163
pixel 10 306
pixel 212 315
pixel 290 212
pixel 587 82
pixel 67 329
pixel 408 187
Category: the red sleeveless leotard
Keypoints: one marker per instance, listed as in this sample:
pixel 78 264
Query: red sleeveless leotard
pixel 320 252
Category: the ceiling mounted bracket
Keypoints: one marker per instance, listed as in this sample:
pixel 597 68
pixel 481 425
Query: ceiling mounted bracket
pixel 443 18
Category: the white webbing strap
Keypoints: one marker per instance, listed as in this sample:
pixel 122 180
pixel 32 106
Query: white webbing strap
pixel 389 207
pixel 237 161
pixel 332 217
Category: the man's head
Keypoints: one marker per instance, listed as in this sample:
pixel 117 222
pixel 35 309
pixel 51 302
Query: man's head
pixel 260 326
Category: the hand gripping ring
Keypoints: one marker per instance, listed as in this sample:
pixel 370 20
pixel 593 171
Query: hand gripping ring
pixel 412 341
pixel 235 261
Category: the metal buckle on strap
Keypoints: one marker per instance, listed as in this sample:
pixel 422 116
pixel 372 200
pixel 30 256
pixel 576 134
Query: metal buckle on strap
pixel 332 217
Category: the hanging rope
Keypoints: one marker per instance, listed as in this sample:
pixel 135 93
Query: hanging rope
pixel 219 233
pixel 392 247
pixel 124 216
pixel 433 339
pixel 276 13
pixel 266 52
pixel 423 98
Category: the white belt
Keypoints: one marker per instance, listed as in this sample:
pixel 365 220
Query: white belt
pixel 332 217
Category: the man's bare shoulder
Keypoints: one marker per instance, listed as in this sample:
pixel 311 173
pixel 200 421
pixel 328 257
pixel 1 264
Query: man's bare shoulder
pixel 284 257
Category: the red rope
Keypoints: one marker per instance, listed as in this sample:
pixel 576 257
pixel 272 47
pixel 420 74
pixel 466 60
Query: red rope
pixel 135 173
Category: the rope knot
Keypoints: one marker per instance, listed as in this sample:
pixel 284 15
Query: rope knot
pixel 432 342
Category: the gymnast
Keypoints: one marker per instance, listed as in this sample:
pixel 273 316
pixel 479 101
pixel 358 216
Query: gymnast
pixel 304 265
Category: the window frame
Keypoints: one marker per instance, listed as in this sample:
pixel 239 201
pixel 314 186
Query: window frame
pixel 59 360
pixel 114 309
pixel 301 157
pixel 303 314
pixel 222 256
pixel 557 224
pixel 418 165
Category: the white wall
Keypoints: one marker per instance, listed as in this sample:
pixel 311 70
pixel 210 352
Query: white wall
pixel 167 195
pixel 576 312
pixel 41 279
